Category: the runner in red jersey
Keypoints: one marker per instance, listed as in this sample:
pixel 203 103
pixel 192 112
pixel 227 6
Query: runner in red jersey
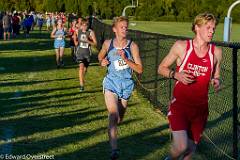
pixel 71 31
pixel 200 68
pixel 197 64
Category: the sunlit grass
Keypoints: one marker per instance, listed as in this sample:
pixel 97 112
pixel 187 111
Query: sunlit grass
pixel 43 112
pixel 179 29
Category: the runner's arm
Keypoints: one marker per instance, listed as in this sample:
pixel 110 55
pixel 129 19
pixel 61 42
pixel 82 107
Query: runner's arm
pixel 167 62
pixel 216 81
pixel 93 40
pixel 102 54
pixel 75 35
pixel 175 54
pixel 53 33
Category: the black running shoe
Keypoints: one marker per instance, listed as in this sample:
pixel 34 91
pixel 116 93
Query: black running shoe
pixel 58 66
pixel 61 63
pixel 81 88
pixel 115 154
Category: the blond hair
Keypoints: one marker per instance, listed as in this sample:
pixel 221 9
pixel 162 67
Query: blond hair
pixel 119 19
pixel 203 18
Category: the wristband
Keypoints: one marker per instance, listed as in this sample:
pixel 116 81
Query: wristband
pixel 172 74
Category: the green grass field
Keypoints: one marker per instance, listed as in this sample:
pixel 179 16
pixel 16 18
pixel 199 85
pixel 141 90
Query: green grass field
pixel 183 29
pixel 43 112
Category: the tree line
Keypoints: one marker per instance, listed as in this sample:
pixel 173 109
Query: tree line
pixel 154 10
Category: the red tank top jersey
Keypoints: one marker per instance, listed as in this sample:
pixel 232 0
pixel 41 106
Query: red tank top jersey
pixel 201 68
pixel 72 30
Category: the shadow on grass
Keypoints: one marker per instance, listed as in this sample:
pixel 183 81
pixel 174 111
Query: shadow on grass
pixel 25 95
pixel 33 45
pixel 32 120
pixel 32 64
pixel 6 83
pixel 27 100
pixel 7 79
pixel 134 147
pixel 53 121
pixel 38 63
pixel 37 42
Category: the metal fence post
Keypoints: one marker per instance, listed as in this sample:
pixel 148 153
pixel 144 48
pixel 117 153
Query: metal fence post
pixel 156 70
pixel 235 101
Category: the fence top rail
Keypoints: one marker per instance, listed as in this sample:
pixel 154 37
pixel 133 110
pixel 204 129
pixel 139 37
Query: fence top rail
pixel 235 45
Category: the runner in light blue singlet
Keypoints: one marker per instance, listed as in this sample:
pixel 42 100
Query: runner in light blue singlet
pixel 119 77
pixel 121 57
pixel 59 38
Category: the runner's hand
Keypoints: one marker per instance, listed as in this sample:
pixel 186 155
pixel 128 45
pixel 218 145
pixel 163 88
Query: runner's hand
pixel 216 84
pixel 185 77
pixel 104 62
pixel 122 54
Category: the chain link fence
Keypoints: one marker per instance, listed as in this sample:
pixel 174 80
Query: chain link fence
pixel 220 140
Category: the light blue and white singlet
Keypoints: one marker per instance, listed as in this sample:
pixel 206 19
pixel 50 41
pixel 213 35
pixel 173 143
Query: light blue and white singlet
pixel 119 75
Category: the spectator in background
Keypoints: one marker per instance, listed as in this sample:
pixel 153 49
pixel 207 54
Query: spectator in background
pixel 64 18
pixel 33 17
pixel 27 24
pixel 197 63
pixel 53 20
pixel 48 22
pixel 1 25
pixel 19 15
pixel 6 26
pixel 71 17
pixel 40 22
pixel 15 24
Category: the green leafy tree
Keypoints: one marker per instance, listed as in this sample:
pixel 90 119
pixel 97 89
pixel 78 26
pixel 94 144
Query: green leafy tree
pixel 51 5
pixel 180 10
pixel 7 5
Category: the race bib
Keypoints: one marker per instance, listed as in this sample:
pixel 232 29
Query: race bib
pixel 120 64
pixel 83 45
pixel 59 38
